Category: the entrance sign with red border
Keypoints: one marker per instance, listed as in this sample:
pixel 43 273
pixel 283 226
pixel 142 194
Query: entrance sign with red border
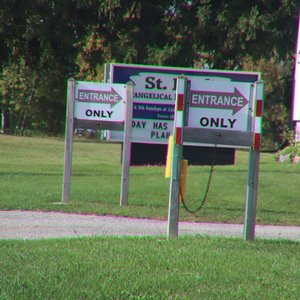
pixel 210 104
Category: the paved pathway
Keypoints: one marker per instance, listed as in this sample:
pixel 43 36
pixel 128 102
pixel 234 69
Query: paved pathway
pixel 33 225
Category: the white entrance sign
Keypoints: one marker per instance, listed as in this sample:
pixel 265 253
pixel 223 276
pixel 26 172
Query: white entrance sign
pixel 99 101
pixel 219 105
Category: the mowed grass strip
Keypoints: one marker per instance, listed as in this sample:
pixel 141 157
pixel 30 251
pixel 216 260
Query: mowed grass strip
pixel 149 268
pixel 31 173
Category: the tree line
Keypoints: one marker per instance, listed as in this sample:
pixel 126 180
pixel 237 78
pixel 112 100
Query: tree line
pixel 45 42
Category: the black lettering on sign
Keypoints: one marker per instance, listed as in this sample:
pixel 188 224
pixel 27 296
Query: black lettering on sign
pixel 105 114
pixel 139 124
pixel 160 134
pixel 217 122
pixel 153 83
pixel 88 113
pixel 150 82
pixel 204 122
pixel 160 125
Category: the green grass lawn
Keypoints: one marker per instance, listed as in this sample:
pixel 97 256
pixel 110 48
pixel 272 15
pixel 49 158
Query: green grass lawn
pixel 149 268
pixel 31 171
pixel 199 267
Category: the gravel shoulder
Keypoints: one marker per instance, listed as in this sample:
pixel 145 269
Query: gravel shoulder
pixel 37 225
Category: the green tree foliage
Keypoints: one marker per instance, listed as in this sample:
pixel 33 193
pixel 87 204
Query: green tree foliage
pixel 124 31
pixel 18 93
pixel 278 79
pixel 229 31
pixel 53 40
pixel 37 40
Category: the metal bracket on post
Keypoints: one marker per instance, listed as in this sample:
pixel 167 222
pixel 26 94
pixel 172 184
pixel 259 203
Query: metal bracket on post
pixel 253 169
pixel 174 193
pixel 69 135
pixel 127 145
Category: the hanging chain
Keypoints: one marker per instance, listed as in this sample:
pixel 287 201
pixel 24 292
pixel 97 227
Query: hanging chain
pixel 212 169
